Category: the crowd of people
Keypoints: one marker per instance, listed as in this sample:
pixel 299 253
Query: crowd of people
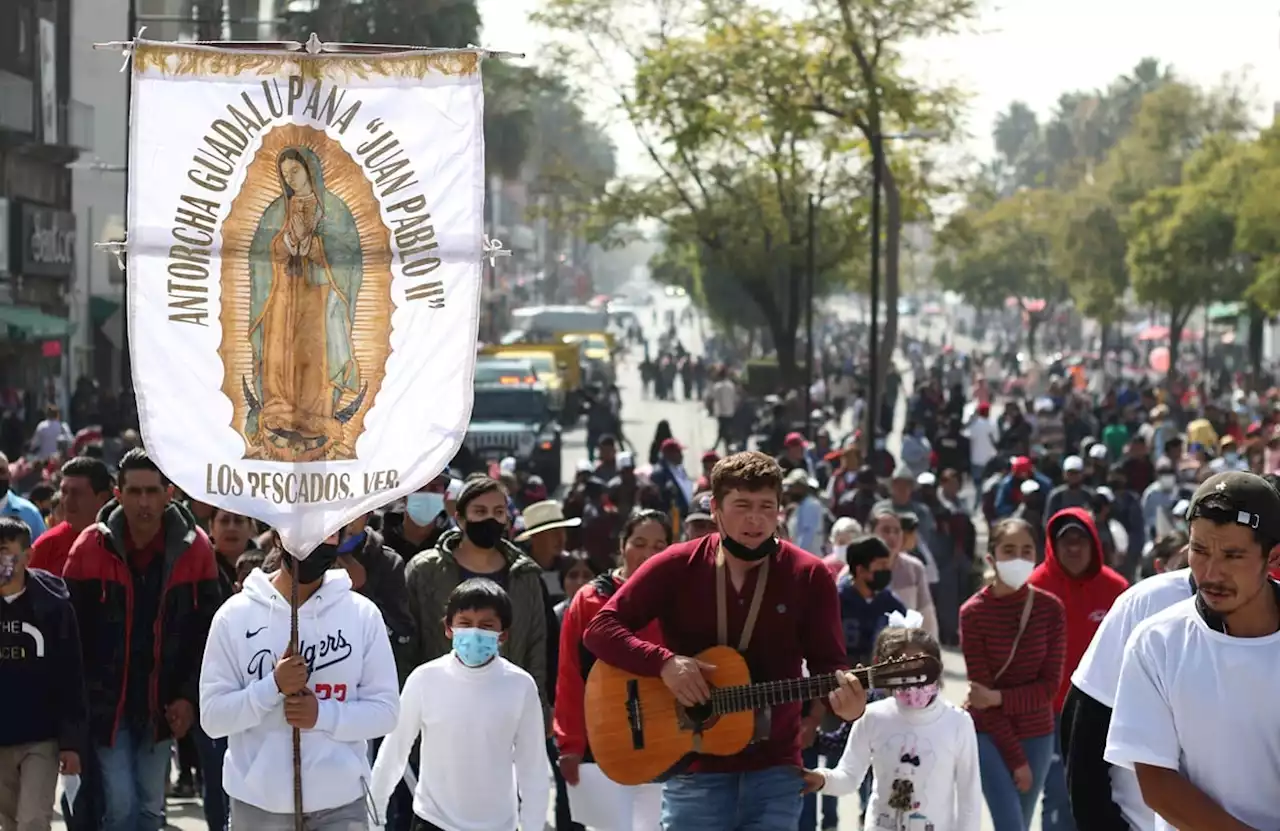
pixel 1116 626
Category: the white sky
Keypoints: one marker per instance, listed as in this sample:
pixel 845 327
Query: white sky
pixel 1032 50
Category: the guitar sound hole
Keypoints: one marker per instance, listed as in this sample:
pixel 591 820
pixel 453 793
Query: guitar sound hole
pixel 699 714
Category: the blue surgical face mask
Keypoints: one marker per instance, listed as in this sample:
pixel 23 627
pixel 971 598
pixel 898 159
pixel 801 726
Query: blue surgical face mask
pixel 423 508
pixel 475 647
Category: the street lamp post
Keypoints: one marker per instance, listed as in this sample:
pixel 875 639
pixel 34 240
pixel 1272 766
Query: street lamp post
pixel 808 318
pixel 126 363
pixel 873 384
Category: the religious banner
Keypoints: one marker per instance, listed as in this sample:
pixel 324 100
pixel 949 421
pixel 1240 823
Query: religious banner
pixel 304 272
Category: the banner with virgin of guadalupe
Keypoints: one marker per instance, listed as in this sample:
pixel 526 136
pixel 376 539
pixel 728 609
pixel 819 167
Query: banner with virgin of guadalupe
pixel 305 243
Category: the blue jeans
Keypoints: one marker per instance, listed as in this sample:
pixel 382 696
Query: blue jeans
pixel 1011 810
pixel 1055 813
pixel 217 810
pixel 809 811
pixel 759 800
pixel 133 779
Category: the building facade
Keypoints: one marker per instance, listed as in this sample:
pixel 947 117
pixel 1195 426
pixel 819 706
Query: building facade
pixel 99 179
pixel 43 129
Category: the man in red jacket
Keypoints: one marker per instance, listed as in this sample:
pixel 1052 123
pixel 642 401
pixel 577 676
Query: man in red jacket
pixel 776 604
pixel 1074 571
pixel 144 585
pixel 85 488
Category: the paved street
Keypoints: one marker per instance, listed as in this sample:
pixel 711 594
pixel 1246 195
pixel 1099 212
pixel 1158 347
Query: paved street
pixel 696 430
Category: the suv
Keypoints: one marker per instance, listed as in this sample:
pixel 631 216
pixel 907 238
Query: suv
pixel 513 418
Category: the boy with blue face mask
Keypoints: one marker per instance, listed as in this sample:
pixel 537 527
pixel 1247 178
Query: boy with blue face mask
pixel 476 790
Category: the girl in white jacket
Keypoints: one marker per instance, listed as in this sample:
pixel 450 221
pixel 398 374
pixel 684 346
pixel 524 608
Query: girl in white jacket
pixel 341 690
pixel 922 750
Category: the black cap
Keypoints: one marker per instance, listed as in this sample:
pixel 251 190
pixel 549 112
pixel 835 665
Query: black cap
pixel 1248 496
pixel 700 508
pixel 1069 523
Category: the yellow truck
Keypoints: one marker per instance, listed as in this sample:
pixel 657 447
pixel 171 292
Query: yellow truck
pixel 559 370
pixel 597 351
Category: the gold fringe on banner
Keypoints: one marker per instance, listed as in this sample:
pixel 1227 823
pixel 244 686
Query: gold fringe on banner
pixel 177 60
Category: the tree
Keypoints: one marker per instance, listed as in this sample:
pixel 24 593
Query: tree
pixel 717 100
pixel 1089 249
pixel 1003 249
pixel 861 82
pixel 570 164
pixel 442 23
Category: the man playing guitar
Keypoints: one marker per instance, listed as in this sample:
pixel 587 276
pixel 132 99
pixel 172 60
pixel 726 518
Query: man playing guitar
pixel 774 603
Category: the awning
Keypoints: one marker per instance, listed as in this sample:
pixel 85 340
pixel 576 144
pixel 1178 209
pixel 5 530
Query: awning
pixel 1225 312
pixel 33 324
pixel 102 308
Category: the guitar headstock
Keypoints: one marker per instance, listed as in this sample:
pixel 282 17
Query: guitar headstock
pixel 900 673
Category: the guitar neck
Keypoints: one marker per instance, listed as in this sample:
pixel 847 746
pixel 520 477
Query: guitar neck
pixel 769 693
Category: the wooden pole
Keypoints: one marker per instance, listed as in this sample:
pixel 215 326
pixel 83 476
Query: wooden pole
pixel 297 734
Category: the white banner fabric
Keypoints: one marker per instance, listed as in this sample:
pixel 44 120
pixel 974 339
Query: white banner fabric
pixel 304 275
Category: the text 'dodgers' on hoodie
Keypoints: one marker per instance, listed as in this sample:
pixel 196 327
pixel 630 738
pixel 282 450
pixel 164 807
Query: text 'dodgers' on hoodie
pixel 353 674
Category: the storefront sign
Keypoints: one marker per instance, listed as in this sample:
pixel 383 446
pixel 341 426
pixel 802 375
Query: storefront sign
pixel 48 242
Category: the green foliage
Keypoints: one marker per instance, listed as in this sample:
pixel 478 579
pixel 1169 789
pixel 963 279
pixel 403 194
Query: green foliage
pixel 1005 249
pixel 1142 187
pixel 718 99
pixel 441 23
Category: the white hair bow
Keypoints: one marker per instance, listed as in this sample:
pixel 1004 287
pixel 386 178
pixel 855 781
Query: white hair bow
pixel 911 620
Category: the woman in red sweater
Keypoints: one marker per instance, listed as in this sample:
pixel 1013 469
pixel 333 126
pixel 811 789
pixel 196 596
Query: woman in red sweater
pixel 1014 641
pixel 594 800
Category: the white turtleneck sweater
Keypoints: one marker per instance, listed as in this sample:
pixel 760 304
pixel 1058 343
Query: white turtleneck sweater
pixel 482 744
pixel 935 749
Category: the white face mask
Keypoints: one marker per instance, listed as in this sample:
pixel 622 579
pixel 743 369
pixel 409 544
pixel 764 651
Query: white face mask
pixel 840 552
pixel 1014 573
pixel 1167 481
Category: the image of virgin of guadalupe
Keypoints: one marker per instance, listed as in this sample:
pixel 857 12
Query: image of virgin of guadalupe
pixel 305 267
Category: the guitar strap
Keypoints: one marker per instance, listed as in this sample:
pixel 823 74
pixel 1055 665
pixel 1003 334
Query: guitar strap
pixel 764 717
pixel 722 603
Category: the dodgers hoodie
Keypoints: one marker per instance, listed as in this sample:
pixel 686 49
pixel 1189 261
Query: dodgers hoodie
pixel 352 672
pixel 1086 598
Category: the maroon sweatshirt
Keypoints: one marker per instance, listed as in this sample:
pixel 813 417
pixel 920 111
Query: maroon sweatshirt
pixel 988 626
pixel 799 621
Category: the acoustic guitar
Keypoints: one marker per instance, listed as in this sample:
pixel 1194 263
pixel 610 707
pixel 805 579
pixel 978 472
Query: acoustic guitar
pixel 639 733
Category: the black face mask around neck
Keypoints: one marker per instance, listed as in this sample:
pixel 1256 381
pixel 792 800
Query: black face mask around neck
pixel 750 555
pixel 312 569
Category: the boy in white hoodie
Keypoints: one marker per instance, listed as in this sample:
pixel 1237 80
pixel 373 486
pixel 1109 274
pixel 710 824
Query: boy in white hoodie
pixel 340 691
pixel 483 764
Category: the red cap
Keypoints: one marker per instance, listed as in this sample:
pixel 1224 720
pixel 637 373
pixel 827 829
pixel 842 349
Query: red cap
pixel 1021 466
pixel 984 410
pixel 711 456
pixel 670 444
pixel 793 439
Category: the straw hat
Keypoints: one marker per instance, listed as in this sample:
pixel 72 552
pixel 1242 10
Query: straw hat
pixel 545 516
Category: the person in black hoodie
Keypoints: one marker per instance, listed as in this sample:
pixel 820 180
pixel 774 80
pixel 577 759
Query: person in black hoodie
pixel 45 730
pixel 377 572
pixel 424 518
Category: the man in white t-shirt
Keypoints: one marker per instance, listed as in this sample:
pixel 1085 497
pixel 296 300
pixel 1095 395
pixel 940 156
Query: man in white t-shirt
pixel 1195 714
pixel 1103 797
pixel 724 406
pixel 983 435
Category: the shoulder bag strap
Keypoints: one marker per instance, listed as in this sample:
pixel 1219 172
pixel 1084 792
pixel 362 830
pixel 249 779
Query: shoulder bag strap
pixel 1022 627
pixel 722 603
